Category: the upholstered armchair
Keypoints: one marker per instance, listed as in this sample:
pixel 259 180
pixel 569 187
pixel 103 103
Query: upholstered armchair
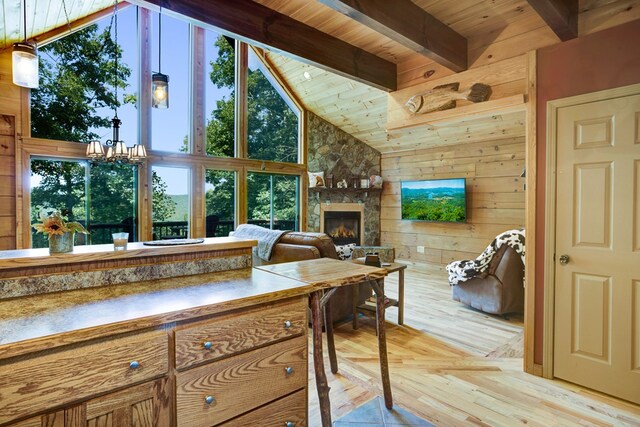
pixel 493 283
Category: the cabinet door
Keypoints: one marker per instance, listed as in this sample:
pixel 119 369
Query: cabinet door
pixel 53 419
pixel 145 405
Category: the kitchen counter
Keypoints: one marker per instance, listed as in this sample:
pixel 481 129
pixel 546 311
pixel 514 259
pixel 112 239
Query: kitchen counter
pixel 56 319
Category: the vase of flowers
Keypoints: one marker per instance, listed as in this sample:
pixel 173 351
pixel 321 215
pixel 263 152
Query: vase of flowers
pixel 61 232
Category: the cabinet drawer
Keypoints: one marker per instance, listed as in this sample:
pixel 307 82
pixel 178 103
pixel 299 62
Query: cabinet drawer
pixel 290 409
pixel 50 380
pixel 240 331
pixel 241 383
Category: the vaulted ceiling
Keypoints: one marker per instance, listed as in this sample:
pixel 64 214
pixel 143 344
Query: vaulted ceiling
pixel 354 52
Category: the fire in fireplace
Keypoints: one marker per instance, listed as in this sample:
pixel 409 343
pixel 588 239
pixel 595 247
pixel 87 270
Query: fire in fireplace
pixel 343 227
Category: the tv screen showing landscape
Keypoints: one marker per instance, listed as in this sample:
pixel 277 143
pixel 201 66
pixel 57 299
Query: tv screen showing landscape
pixel 434 200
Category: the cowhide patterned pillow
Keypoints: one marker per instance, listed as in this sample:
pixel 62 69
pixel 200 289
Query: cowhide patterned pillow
pixel 345 251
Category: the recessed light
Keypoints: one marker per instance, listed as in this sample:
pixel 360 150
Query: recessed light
pixel 307 75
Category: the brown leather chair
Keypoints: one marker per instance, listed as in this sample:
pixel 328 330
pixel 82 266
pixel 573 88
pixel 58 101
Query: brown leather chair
pixel 303 245
pixel 499 290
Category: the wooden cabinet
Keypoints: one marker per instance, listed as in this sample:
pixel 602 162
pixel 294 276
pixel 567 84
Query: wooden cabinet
pixel 255 357
pixel 240 368
pixel 233 333
pixel 144 405
pixel 36 383
pixel 241 383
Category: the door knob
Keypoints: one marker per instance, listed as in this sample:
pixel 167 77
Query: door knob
pixel 564 259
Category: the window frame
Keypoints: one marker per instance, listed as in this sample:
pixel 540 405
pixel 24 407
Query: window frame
pixel 197 159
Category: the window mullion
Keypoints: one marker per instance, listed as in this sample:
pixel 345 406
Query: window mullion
pixel 242 62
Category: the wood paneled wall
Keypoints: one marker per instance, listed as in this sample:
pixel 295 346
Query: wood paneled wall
pixel 495 199
pixel 9 131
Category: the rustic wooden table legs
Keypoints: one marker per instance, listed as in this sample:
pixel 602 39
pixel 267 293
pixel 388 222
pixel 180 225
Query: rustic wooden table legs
pixel 319 305
pixel 328 325
pixel 318 364
pixel 378 288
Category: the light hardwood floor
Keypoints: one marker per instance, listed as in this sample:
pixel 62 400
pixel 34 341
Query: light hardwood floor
pixel 456 366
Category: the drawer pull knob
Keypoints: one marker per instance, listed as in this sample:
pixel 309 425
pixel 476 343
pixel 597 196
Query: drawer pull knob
pixel 134 364
pixel 288 370
pixel 209 400
pixel 207 345
pixel 289 424
pixel 287 324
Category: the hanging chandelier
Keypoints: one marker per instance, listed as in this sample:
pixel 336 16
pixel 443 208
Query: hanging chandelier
pixel 24 59
pixel 159 81
pixel 115 150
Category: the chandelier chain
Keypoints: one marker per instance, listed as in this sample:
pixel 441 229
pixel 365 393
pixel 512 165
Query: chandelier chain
pixel 66 14
pixel 115 54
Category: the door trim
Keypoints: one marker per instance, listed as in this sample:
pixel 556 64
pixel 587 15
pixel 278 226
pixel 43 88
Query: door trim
pixel 550 208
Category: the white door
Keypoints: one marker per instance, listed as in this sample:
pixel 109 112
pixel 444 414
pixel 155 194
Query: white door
pixel 597 248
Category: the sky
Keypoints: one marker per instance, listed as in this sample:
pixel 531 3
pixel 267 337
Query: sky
pixel 435 183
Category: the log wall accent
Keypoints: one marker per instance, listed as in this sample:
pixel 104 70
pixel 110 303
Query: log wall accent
pixel 9 125
pixel 495 199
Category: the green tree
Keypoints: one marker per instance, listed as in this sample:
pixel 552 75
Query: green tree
pixel 76 82
pixel 273 135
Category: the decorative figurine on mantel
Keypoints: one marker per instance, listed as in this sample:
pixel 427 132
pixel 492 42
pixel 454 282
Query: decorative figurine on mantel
pixel 342 184
pixel 61 232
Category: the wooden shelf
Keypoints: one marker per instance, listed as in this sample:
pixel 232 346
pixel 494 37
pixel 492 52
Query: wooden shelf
pixel 366 307
pixel 505 105
pixel 344 190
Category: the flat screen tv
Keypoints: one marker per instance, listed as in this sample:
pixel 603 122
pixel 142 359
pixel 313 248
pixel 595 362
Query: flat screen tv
pixel 436 200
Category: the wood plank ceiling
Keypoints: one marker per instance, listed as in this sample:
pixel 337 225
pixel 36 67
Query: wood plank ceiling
pixel 42 16
pixel 495 30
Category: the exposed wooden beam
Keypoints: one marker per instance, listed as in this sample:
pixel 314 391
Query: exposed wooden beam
pixel 560 15
pixel 410 25
pixel 267 28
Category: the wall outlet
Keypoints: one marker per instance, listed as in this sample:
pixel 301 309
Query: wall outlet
pixel 420 249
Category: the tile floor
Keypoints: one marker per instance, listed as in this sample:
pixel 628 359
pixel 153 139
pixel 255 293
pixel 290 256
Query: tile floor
pixel 374 414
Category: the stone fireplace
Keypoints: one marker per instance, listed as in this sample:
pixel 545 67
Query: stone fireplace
pixel 343 222
pixel 335 152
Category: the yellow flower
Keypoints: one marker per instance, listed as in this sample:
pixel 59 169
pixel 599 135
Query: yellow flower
pixel 54 225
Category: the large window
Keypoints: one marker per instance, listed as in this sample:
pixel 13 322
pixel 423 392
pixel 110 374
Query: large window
pixel 101 197
pixel 273 200
pixel 220 84
pixel 243 112
pixel 220 202
pixel 170 202
pixel 273 119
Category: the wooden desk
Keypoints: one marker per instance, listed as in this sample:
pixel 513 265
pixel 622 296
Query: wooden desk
pixel 392 268
pixel 327 275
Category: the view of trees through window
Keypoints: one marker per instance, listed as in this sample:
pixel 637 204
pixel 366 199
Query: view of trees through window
pixel 273 125
pixel 101 197
pixel 220 99
pixel 75 103
pixel 170 202
pixel 272 200
pixel 220 204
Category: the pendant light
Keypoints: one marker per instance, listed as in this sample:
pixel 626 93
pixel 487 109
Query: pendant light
pixel 116 150
pixel 25 59
pixel 159 81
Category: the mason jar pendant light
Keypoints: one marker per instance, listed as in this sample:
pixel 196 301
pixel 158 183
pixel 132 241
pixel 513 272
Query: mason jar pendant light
pixel 24 59
pixel 159 81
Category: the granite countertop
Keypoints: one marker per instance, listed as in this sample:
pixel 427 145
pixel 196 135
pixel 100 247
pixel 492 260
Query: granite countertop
pixel 21 258
pixel 50 320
